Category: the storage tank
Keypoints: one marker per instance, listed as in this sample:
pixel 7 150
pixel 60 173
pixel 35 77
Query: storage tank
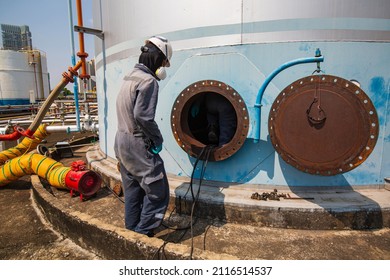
pixel 318 124
pixel 23 77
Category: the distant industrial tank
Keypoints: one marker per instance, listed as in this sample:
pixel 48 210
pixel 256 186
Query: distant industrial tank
pixel 23 77
pixel 299 122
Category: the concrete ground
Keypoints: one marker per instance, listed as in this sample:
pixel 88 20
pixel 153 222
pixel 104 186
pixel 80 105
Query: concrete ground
pixel 24 232
pixel 41 222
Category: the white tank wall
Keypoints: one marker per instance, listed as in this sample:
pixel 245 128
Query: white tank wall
pixel 45 76
pixel 17 78
pixel 205 23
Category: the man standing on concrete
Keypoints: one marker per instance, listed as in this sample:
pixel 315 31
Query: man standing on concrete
pixel 138 140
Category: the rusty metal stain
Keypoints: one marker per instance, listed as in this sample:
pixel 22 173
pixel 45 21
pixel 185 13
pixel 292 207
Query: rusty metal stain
pixel 117 189
pixel 323 125
pixel 180 112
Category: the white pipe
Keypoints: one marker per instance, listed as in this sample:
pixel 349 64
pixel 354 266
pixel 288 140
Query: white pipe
pixel 93 127
pixel 73 101
pixel 44 121
pixel 75 87
pixel 60 128
pixel 20 122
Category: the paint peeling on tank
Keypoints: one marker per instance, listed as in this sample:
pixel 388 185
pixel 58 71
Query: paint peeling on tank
pixel 379 94
pixel 306 47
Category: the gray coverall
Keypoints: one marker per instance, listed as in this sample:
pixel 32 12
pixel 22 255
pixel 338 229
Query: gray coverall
pixel 221 112
pixel 144 179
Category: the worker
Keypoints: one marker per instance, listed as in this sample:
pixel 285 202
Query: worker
pixel 138 140
pixel 221 118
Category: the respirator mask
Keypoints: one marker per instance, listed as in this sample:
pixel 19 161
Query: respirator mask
pixel 161 73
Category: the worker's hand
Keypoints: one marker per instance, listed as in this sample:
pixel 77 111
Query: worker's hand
pixel 194 110
pixel 156 150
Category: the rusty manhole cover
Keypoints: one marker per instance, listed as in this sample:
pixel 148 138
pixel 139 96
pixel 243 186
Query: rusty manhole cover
pixel 323 125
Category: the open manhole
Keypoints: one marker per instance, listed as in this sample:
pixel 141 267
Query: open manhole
pixel 213 101
pixel 323 125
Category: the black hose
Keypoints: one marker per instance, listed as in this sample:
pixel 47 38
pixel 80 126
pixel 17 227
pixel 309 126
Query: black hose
pixel 195 197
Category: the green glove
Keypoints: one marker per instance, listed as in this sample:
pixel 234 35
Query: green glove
pixel 194 110
pixel 156 150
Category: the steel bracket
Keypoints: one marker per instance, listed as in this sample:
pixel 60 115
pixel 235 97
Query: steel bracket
pixel 87 30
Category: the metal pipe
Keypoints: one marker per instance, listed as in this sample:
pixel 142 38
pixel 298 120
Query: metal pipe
pixel 14 106
pixel 10 122
pixel 49 119
pixel 82 54
pixel 105 98
pixel 26 145
pixel 42 91
pixel 75 98
pixel 75 85
pixel 9 137
pixel 45 121
pixel 53 95
pixel 91 126
pixel 317 59
pixel 94 127
pixel 35 74
pixel 18 132
pixel 61 128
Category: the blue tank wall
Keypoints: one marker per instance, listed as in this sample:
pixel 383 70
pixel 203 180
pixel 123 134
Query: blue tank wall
pixel 245 68
pixel 14 101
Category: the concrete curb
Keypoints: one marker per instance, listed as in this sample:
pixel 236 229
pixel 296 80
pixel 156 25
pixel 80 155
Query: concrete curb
pixel 317 208
pixel 108 241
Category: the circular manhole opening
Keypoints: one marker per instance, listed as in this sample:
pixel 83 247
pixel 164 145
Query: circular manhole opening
pixel 210 113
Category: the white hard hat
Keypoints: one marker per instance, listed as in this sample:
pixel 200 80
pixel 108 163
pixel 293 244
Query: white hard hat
pixel 164 46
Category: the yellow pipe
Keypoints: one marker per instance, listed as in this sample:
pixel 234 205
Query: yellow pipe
pixel 25 146
pixel 53 171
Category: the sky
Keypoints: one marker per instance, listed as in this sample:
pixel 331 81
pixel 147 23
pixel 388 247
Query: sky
pixel 50 29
